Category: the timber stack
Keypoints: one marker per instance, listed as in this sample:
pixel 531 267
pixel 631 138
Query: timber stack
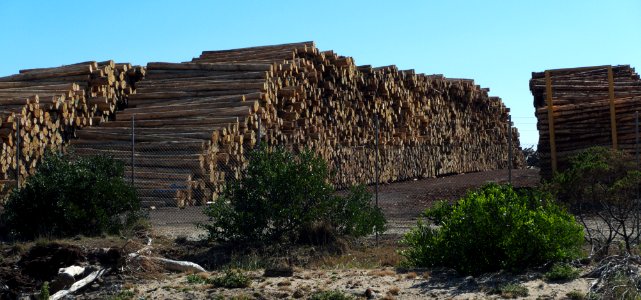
pixel 590 106
pixel 42 108
pixel 196 121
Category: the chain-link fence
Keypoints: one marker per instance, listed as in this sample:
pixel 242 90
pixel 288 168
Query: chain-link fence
pixel 176 174
pixel 176 177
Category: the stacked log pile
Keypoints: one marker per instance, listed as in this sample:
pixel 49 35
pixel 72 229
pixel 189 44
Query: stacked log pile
pixel 586 102
pixel 196 121
pixel 429 125
pixel 41 108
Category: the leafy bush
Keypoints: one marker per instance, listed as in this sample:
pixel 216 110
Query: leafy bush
pixel 562 272
pixel 232 279
pixel 513 290
pixel 196 279
pixel 331 295
pixel 124 295
pixel 44 291
pixel 601 186
pixel 281 196
pixel 354 214
pixel 493 228
pixel 575 295
pixel 69 196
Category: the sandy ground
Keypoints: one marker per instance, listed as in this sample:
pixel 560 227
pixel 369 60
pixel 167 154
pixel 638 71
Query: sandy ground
pixel 383 283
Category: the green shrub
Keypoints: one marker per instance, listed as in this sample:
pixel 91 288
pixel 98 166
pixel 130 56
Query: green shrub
pixel 331 295
pixel 196 279
pixel 281 196
pixel 354 214
pixel 513 290
pixel 44 291
pixel 232 279
pixel 494 228
pixel 562 272
pixel 575 295
pixel 124 295
pixel 69 196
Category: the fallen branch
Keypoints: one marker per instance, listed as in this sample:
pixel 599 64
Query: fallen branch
pixel 170 264
pixel 66 278
pixel 79 284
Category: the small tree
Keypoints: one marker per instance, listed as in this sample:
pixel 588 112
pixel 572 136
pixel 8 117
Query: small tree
pixel 69 195
pixel 601 187
pixel 281 196
pixel 493 228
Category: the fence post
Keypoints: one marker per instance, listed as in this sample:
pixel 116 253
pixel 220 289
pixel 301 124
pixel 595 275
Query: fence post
pixel 636 135
pixel 18 152
pixel 133 147
pixel 376 171
pixel 509 165
pixel 259 133
pixel 636 154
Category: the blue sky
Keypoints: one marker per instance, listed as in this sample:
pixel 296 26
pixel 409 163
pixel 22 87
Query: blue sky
pixel 497 43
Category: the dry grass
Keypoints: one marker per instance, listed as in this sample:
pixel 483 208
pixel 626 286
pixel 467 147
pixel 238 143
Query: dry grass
pixel 382 273
pixel 144 268
pixel 426 275
pixel 305 288
pixel 285 288
pixel 394 291
pixel 362 257
pixel 285 283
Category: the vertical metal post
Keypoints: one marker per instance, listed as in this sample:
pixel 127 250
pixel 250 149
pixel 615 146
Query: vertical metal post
pixel 613 114
pixel 259 133
pixel 636 154
pixel 548 96
pixel 509 165
pixel 636 134
pixel 133 147
pixel 376 171
pixel 18 152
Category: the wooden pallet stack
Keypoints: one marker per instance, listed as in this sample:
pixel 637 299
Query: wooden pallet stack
pixel 195 121
pixel 43 107
pixel 591 106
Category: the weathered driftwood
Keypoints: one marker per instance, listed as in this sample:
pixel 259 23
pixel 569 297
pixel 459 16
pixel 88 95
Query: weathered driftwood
pixel 79 284
pixel 169 264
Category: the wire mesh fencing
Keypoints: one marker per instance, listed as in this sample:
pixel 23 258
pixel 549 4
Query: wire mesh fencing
pixel 176 176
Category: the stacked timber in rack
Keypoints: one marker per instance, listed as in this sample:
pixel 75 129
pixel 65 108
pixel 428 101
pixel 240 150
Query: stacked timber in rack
pixel 41 108
pixel 584 107
pixel 196 121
